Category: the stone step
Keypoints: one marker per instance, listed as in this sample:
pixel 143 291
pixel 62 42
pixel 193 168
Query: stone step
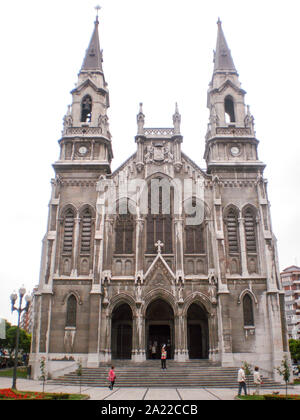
pixel 149 375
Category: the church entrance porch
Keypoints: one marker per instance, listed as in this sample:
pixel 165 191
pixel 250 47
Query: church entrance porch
pixel 159 329
pixel 159 335
pixel 121 333
pixel 197 332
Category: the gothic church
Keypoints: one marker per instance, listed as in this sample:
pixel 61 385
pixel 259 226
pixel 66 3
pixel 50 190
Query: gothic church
pixel 115 283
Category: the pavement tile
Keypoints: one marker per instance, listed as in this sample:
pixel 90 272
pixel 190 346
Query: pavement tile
pixel 128 394
pixel 162 394
pixel 199 394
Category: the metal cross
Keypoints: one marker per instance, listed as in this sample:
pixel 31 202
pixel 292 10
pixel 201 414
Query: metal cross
pixel 159 245
pixel 98 8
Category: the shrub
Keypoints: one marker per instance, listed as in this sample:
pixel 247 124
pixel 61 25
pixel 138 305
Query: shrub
pixel 282 397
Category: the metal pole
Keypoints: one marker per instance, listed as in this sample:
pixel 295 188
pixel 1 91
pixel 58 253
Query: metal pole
pixel 14 384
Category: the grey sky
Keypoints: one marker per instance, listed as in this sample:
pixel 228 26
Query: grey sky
pixel 157 52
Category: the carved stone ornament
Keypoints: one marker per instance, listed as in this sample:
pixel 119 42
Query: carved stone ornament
pixel 69 339
pixel 139 166
pixel 158 154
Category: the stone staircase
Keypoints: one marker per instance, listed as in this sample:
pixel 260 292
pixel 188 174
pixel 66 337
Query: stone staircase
pixel 194 373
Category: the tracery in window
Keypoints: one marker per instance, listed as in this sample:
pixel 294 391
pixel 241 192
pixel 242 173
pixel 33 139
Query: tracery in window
pixel 248 311
pixel 232 231
pixel 124 231
pixel 68 232
pixel 159 226
pixel 194 236
pixel 250 230
pixel 86 232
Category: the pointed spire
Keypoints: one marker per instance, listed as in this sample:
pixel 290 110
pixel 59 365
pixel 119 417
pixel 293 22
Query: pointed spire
pixel 141 120
pixel 222 57
pixel 176 120
pixel 93 57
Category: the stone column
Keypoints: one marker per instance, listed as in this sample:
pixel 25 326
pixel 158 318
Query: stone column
pixel 225 330
pixel 94 328
pixel 139 255
pixel 179 247
pixel 244 263
pixel 76 247
pixel 108 242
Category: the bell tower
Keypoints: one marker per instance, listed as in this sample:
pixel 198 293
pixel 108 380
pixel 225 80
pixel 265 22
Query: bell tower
pixel 86 139
pixel 230 139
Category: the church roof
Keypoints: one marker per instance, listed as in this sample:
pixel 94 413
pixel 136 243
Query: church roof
pixel 93 57
pixel 291 269
pixel 223 59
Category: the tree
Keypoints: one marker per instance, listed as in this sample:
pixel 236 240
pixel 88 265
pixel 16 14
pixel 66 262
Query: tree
pixel 3 343
pixel 285 371
pixel 79 373
pixel 295 349
pixel 24 340
pixel 43 370
pixel 248 372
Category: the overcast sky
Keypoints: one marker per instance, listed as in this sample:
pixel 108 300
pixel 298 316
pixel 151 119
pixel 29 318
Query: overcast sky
pixel 156 52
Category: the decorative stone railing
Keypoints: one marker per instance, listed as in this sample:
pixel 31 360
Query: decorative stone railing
pixel 85 131
pixel 159 132
pixel 235 131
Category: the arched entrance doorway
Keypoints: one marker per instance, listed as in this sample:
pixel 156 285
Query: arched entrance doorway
pixel 197 332
pixel 160 328
pixel 121 332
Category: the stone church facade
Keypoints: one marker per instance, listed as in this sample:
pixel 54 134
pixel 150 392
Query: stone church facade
pixel 159 251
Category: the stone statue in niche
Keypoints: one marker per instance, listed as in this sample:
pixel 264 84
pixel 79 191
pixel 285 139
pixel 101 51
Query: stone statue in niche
pixel 213 286
pixel 180 291
pixel 69 339
pixel 168 156
pixel 149 154
pixel 68 120
pixel 105 292
pixel 138 291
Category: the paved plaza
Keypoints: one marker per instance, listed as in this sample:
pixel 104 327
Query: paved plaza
pixel 138 394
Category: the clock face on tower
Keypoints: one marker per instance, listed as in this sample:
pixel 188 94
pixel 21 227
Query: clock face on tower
pixel 235 151
pixel 82 150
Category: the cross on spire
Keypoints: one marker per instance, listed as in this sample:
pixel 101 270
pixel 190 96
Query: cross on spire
pixel 159 245
pixel 97 8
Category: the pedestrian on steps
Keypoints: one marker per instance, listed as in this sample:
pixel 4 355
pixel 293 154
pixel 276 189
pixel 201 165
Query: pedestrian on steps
pixel 242 381
pixel 257 380
pixel 112 378
pixel 163 357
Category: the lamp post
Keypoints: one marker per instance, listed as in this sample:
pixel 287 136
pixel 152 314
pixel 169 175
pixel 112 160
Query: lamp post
pixel 13 299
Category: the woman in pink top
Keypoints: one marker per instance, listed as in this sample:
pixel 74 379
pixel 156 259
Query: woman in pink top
pixel 111 378
pixel 163 357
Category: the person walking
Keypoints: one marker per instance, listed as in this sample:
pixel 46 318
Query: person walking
pixel 112 378
pixel 257 380
pixel 163 357
pixel 242 381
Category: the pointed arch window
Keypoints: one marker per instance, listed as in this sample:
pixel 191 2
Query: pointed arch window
pixel 194 236
pixel 86 232
pixel 124 232
pixel 86 109
pixel 250 230
pixel 248 311
pixel 232 226
pixel 69 222
pixel 160 222
pixel 71 311
pixel 229 110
